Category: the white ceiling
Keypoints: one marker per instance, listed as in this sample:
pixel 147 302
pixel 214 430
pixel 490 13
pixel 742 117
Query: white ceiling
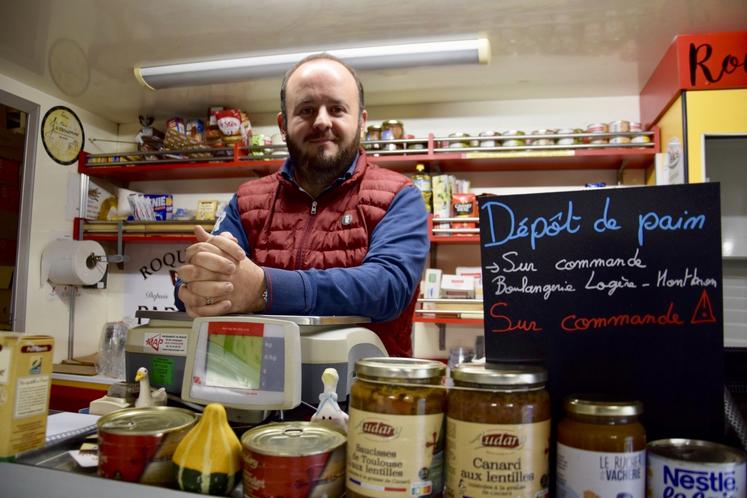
pixel 83 51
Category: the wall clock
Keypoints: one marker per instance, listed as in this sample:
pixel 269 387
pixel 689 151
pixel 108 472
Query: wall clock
pixel 62 135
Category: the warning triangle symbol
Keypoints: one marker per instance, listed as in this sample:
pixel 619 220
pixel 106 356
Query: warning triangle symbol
pixel 703 312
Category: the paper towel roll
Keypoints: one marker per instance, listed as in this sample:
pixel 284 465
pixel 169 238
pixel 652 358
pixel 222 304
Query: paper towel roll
pixel 73 262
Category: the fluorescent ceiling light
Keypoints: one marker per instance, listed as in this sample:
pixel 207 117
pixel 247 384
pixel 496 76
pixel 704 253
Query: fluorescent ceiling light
pixel 433 53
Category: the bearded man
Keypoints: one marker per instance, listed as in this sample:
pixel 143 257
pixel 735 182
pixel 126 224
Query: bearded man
pixel 329 234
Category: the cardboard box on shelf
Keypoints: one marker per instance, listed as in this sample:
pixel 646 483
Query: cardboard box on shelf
pixel 25 383
pixel 476 273
pixel 431 288
pixel 458 286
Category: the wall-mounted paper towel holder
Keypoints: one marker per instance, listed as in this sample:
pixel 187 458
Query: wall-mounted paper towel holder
pixel 71 264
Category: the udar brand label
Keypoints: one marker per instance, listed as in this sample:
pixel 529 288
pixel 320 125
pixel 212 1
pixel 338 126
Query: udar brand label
pixel 496 460
pixel 394 455
pixel 598 473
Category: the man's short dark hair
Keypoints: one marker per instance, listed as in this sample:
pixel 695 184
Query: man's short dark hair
pixel 313 57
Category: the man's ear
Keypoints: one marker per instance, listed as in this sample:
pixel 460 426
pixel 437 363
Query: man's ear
pixel 364 118
pixel 282 124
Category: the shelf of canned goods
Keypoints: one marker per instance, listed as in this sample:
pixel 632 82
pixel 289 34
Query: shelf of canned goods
pixel 513 150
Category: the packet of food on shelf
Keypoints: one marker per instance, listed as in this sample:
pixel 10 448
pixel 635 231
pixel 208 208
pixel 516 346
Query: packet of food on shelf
pixel 441 185
pixel 163 206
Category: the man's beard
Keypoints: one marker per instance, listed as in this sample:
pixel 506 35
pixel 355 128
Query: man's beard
pixel 318 168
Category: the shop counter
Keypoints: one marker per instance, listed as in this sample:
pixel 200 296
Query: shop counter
pixel 21 481
pixel 51 471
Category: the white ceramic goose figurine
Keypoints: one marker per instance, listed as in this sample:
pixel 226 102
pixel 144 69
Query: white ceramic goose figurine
pixel 329 410
pixel 148 396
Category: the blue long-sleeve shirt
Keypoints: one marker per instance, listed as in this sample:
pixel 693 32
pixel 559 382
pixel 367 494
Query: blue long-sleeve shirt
pixel 380 287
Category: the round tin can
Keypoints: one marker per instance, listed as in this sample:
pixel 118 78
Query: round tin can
pixel 619 126
pixel 635 126
pixel 487 140
pixel 460 144
pixel 641 139
pixel 689 468
pixel 136 444
pixel 620 140
pixel 567 140
pixel 597 128
pixel 293 459
pixel 514 142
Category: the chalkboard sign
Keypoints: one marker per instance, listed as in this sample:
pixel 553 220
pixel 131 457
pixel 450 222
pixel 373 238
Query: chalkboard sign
pixel 616 291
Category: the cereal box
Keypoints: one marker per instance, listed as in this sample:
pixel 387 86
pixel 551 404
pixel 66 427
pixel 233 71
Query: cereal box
pixel 25 383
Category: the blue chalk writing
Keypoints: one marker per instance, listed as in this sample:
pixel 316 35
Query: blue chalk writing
pixel 535 229
pixel 605 222
pixel 651 221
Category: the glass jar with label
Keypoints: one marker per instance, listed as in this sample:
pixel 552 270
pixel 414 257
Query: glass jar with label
pixel 395 430
pixel 601 448
pixel 373 133
pixel 497 432
pixel 392 129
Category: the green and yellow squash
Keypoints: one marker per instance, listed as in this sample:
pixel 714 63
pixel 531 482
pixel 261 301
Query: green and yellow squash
pixel 208 459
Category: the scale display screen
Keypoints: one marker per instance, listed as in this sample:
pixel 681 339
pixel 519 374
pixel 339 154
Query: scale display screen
pixel 243 362
pixel 234 355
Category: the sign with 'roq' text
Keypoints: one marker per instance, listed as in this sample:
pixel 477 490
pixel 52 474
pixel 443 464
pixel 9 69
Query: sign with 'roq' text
pixel 617 292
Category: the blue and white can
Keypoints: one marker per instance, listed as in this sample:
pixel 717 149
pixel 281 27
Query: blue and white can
pixel 688 468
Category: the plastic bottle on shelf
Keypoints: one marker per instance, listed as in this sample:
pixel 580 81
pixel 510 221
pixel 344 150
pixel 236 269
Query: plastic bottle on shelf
pixel 422 180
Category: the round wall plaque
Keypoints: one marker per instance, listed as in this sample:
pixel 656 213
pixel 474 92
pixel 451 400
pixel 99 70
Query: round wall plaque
pixel 62 135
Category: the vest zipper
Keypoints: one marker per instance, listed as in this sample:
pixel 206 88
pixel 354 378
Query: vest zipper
pixel 305 237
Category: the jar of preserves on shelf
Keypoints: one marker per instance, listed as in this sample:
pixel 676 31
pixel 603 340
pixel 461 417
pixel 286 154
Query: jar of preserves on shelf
pixel 392 130
pixel 395 430
pixel 373 133
pixel 498 432
pixel 601 448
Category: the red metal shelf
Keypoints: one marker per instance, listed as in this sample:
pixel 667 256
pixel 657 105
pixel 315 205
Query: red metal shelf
pixel 238 166
pixel 145 239
pixel 456 239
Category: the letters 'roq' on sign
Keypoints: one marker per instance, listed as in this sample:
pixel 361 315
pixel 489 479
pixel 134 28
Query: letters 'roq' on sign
pixel 615 291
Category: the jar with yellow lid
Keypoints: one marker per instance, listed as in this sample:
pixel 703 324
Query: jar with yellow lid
pixel 497 431
pixel 395 430
pixel 601 448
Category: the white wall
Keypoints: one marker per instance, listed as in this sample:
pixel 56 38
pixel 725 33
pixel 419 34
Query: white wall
pixel 47 313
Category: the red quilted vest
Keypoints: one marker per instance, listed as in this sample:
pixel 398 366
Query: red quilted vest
pixel 284 233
